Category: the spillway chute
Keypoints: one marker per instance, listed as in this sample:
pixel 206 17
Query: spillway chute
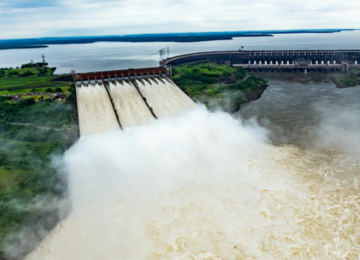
pixel 130 106
pixel 125 99
pixel 96 114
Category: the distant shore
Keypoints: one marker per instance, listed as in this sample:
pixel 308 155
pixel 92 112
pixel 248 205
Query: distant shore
pixel 161 37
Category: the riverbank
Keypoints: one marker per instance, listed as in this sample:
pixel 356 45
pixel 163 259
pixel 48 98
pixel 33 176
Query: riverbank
pixel 350 79
pixel 218 86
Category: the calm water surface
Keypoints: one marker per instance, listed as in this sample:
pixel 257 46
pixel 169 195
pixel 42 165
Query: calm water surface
pixel 111 56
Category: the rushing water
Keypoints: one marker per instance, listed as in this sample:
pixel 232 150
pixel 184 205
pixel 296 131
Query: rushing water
pixel 95 117
pixel 205 186
pixel 129 105
pixel 164 98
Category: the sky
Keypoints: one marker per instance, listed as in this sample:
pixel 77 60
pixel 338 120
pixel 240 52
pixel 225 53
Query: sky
pixel 44 18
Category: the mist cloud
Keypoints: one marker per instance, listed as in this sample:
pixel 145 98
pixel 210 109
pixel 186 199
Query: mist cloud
pixel 202 186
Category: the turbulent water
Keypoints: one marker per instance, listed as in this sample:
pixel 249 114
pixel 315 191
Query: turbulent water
pixel 95 117
pixel 130 107
pixel 165 98
pixel 206 186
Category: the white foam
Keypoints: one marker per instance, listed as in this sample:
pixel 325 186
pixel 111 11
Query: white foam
pixel 202 186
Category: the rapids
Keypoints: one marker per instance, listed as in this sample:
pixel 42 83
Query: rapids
pixel 203 186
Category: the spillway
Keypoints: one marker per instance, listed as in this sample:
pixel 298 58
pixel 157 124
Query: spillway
pixel 127 98
pixel 181 98
pixel 129 105
pixel 96 114
pixel 163 97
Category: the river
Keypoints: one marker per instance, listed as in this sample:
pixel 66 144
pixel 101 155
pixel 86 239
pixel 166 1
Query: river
pixel 296 105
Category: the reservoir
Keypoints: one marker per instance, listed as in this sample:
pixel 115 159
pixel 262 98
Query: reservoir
pixel 104 56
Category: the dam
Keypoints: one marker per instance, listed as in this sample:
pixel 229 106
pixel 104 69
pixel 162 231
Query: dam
pixel 275 60
pixel 120 99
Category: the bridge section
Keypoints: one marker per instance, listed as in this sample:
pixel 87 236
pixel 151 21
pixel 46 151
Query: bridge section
pixel 284 60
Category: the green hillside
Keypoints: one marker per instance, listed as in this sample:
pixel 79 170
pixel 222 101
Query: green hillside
pixel 218 86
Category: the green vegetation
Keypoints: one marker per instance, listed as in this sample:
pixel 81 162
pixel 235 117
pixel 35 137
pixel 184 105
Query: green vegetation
pixel 26 72
pixel 218 86
pixel 350 79
pixel 64 90
pixel 30 134
pixel 38 64
pixel 29 75
pixel 30 82
pixel 31 131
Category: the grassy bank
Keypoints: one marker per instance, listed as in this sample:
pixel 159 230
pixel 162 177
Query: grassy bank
pixel 218 86
pixel 36 91
pixel 31 82
pixel 26 72
pixel 350 79
pixel 31 75
pixel 30 134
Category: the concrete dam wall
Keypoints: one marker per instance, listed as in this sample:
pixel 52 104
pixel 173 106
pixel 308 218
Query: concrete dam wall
pixel 276 60
pixel 113 100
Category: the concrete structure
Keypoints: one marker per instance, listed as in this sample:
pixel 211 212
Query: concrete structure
pixel 331 60
pixel 129 74
pixel 104 77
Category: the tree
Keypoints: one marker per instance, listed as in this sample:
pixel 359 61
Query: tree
pixel 58 90
pixel 27 74
pixel 27 102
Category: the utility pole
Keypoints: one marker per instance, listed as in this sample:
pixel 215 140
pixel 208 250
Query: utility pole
pixel 43 57
pixel 161 55
pixel 168 52
pixel 164 53
pixel 32 63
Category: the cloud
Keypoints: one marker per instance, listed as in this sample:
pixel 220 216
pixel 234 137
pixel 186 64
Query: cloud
pixel 90 17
